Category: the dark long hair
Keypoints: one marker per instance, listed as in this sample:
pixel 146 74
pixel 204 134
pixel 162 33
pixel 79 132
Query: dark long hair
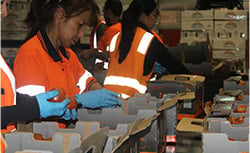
pixel 130 20
pixel 42 12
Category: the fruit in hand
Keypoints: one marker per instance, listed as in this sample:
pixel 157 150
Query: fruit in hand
pixel 72 104
pixel 240 109
pixel 60 97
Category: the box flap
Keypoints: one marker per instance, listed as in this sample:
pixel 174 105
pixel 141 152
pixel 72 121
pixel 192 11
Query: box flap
pixel 186 95
pixel 168 104
pixel 190 125
pixel 94 143
pixel 136 127
pixel 182 77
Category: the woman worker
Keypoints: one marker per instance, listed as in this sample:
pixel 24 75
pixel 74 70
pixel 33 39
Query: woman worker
pixel 134 51
pixel 45 60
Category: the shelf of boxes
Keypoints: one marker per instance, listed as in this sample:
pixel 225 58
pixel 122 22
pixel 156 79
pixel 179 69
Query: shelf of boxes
pixel 227 31
pixel 13 29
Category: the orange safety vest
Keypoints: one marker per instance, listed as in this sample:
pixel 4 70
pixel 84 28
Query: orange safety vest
pixel 8 89
pixel 157 36
pixel 127 77
pixel 93 37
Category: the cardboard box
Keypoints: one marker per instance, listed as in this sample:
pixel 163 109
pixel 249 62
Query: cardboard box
pixel 233 44
pixel 136 107
pixel 170 19
pixel 181 84
pixel 197 25
pixel 188 133
pixel 60 143
pixel 232 83
pixel 231 138
pixel 197 15
pixel 212 142
pixel 230 14
pixel 47 129
pixel 220 110
pixel 13 35
pixel 228 54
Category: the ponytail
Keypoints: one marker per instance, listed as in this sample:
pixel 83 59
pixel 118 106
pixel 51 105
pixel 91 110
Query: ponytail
pixel 130 20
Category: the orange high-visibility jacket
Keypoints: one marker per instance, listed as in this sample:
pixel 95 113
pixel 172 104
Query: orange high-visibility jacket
pixel 127 78
pixel 3 144
pixel 93 36
pixel 8 89
pixel 39 67
pixel 108 35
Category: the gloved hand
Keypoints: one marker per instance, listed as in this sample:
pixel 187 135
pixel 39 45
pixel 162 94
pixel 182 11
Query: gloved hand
pixel 51 108
pixel 102 98
pixel 70 115
pixel 158 68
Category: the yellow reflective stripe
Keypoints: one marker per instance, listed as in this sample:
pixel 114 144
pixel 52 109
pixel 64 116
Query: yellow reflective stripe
pixel 31 90
pixel 144 43
pixel 125 81
pixel 113 42
pixel 83 81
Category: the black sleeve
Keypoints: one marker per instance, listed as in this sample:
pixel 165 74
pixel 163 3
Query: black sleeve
pixel 158 52
pixel 100 31
pixel 26 109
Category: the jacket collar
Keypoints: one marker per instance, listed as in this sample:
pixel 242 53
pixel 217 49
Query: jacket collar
pixel 143 26
pixel 49 48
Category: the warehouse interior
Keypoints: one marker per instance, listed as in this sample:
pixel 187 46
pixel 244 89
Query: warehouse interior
pixel 203 112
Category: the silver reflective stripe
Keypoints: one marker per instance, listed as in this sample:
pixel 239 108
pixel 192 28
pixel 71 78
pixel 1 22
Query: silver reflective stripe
pixel 95 40
pixel 83 81
pixel 31 90
pixel 124 81
pixel 124 96
pixel 144 43
pixel 113 42
pixel 97 60
pixel 10 75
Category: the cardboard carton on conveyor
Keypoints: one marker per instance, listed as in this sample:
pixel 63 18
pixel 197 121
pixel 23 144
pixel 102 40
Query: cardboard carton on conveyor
pixel 71 142
pixel 232 138
pixel 140 106
pixel 235 83
pixel 219 136
pixel 181 83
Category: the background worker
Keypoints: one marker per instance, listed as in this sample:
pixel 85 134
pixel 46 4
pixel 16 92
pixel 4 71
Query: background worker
pixel 134 51
pixel 45 60
pixel 90 56
pixel 112 14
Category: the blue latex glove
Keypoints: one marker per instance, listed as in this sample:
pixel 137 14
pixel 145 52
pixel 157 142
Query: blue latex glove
pixel 51 108
pixel 158 68
pixel 70 115
pixel 102 98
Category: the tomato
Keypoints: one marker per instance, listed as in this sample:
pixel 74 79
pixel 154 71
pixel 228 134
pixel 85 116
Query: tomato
pixel 230 139
pixel 72 104
pixel 240 109
pixel 241 83
pixel 60 97
pixel 240 120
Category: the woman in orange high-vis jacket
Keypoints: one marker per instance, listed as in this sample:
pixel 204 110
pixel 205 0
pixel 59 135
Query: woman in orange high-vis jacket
pixel 13 105
pixel 45 60
pixel 134 51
